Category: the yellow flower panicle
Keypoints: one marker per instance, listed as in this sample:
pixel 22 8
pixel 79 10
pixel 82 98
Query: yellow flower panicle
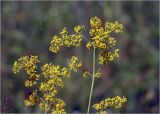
pixel 102 40
pixel 115 102
pixel 52 75
pixel 75 64
pixel 29 64
pixel 49 93
pixel 66 39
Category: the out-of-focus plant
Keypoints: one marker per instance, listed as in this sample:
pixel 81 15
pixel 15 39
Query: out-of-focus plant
pixel 51 77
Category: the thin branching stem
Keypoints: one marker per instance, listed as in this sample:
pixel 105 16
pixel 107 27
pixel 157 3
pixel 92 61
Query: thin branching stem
pixel 86 39
pixel 93 77
pixel 45 106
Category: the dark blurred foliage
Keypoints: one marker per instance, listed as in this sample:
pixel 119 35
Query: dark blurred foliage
pixel 27 28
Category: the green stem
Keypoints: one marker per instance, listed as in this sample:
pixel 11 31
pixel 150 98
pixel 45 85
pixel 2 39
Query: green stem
pixel 86 39
pixel 93 77
pixel 45 106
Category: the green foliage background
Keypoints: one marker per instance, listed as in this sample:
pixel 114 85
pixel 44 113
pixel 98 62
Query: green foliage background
pixel 27 28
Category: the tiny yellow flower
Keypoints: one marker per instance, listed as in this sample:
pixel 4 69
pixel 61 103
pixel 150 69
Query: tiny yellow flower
pixel 78 29
pixel 86 74
pixel 89 45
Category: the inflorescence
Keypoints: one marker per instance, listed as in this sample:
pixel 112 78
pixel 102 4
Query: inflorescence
pixel 102 40
pixel 51 76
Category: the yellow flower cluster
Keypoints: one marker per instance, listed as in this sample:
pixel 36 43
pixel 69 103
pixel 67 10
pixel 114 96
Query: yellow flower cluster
pixel 113 27
pixel 55 44
pixel 28 63
pixel 65 72
pixel 115 102
pixel 50 70
pixel 75 64
pixel 101 38
pixel 53 78
pixel 66 39
pixel 87 73
pixel 105 57
pixel 32 100
pixel 98 74
pixel 58 109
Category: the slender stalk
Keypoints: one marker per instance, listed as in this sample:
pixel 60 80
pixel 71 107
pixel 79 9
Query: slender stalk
pixel 45 106
pixel 93 77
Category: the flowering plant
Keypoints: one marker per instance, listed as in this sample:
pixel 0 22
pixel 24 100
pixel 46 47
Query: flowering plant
pixel 51 77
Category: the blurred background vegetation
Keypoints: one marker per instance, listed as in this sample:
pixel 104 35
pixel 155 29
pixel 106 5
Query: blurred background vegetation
pixel 27 28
